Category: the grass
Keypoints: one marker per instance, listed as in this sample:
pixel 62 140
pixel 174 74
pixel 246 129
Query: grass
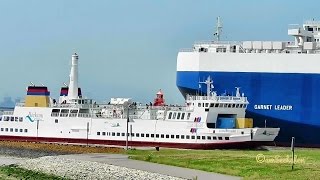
pixel 12 172
pixel 243 163
pixel 276 164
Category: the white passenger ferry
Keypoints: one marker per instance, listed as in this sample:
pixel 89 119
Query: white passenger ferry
pixel 204 122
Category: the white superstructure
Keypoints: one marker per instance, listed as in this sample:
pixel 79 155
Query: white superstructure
pixel 200 123
pixel 256 56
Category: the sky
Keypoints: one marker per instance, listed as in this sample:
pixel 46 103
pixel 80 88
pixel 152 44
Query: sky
pixel 126 48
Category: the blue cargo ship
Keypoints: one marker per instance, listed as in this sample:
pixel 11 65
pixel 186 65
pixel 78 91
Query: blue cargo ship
pixel 280 79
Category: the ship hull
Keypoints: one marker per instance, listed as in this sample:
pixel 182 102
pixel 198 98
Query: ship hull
pixel 286 100
pixel 122 143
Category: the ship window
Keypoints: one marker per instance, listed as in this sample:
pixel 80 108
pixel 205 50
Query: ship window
pixel 199 104
pixel 177 136
pixel 198 137
pixel 20 119
pixel 220 138
pixel 21 130
pixel 207 104
pixel 178 116
pixel 0 118
pixel 132 134
pixel 12 118
pixel 170 114
pixel 182 136
pixel 98 133
pixel 193 137
pixel 123 134
pixel 157 135
pixel 172 136
pixel 25 130
pixel 152 135
pixel 202 104
pixel 182 115
pixel 16 130
pixel 237 105
pixel 244 106
pixel 203 137
pixel 167 136
pixel 214 138
pixel 174 115
pixel 216 105
pixel 209 137
pixel 229 105
pixel 233 105
pixel 2 129
pixel 113 134
pixel 6 118
pixel 147 135
pixel 187 137
pixel 226 138
pixel 220 105
pixel 142 135
pixel 137 135
pixel 103 133
pixel 6 129
pixel 162 135
pixel 211 105
pixel 188 117
pixel 56 121
pixel 11 129
pixel 15 118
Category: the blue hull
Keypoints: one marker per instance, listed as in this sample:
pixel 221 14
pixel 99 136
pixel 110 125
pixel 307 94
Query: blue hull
pixel 290 101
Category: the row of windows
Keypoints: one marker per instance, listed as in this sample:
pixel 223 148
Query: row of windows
pixel 15 130
pixel 11 118
pixel 178 115
pixel 229 105
pixel 167 136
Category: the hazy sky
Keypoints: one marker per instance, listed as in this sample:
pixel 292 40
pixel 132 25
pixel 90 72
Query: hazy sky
pixel 126 48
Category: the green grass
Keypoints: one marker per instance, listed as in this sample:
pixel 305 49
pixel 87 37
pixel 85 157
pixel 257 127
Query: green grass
pixel 15 172
pixel 277 164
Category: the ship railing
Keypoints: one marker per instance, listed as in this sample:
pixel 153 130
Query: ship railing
pixel 85 115
pixel 217 42
pixel 312 22
pixel 20 104
pixel 187 50
pixel 10 113
pixel 217 98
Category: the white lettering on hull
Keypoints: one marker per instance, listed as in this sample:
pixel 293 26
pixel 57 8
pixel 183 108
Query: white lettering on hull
pixel 273 107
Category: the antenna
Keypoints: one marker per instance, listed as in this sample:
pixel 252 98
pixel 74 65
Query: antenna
pixel 219 29
pixel 31 83
pixel 65 84
pixel 238 91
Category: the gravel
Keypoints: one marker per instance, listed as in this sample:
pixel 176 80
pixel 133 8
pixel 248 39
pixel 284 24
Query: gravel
pixel 77 169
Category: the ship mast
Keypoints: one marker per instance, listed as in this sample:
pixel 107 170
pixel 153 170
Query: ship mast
pixel 73 83
pixel 218 29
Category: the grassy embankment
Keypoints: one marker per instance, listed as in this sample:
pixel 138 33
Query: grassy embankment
pixel 276 164
pixel 273 164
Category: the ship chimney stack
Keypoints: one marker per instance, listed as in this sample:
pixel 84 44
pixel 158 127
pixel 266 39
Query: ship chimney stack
pixel 73 83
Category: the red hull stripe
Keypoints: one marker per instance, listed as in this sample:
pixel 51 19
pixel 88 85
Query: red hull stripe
pixel 229 145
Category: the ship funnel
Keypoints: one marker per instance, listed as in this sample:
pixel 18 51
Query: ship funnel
pixel 73 83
